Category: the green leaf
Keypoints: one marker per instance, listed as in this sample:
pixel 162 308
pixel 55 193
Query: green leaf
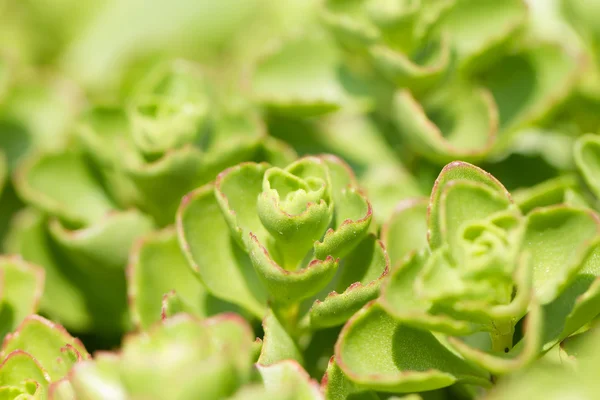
pixel 464 201
pixel 157 266
pixel 587 158
pixel 558 239
pixel 298 77
pixel 19 369
pixel 237 190
pixel 98 379
pixel 545 75
pixel 70 296
pixel 22 287
pixel 277 343
pixel 78 200
pixel 417 75
pixel 288 377
pixel 480 41
pixel 86 248
pixel 401 359
pixel 358 283
pixel 336 386
pixel 459 123
pixel 456 170
pixel 525 352
pixel 406 229
pixel 51 345
pixel 400 299
pixel 577 304
pixel 290 286
pixel 561 190
pixel 221 264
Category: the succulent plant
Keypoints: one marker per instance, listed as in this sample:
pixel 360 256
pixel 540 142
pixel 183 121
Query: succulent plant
pixel 112 188
pixel 282 238
pixel 36 359
pixel 448 310
pixel 184 358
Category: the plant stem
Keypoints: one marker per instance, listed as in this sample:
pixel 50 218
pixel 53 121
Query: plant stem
pixel 502 336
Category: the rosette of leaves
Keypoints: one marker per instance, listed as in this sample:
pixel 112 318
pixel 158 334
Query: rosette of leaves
pixel 123 175
pixel 274 241
pixel 36 359
pixel 457 97
pixel 184 358
pixel 449 309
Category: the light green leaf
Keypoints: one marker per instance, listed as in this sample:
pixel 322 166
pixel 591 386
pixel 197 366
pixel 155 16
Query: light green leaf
pixel 459 123
pixel 298 77
pixel 221 264
pixel 157 266
pixel 277 343
pixel 456 170
pixel 290 286
pixel 79 199
pixel 19 369
pixel 406 229
pixel 22 285
pixel 377 352
pixel 361 275
pixel 587 158
pixel 558 239
pixel 336 386
pixel 51 345
pixel 288 377
pixel 525 352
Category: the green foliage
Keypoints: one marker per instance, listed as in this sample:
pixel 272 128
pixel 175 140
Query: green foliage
pixel 235 199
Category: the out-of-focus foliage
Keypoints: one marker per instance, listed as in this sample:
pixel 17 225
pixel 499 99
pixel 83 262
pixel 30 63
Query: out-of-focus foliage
pixel 188 168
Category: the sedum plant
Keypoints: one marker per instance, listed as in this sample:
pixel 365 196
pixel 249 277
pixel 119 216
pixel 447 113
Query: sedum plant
pixel 284 238
pixel 113 179
pixel 184 358
pixel 449 309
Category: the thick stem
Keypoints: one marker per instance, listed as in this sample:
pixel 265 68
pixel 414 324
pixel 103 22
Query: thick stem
pixel 502 336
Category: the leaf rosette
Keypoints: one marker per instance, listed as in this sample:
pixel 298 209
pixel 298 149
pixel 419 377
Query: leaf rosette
pixel 485 269
pixel 285 235
pixel 123 175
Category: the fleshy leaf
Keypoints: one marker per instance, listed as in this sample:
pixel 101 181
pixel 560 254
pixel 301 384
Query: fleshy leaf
pixel 99 379
pixel 545 75
pixel 51 345
pixel 277 343
pixel 479 40
pixel 407 72
pixel 298 77
pixel 558 239
pixel 70 297
pixel 453 125
pixel 402 359
pixel 401 301
pixel 22 285
pixel 223 267
pixel 237 189
pixel 288 377
pixel 577 304
pixel 587 158
pixel 290 286
pixel 358 283
pixel 406 229
pixel 453 171
pixel 86 248
pixel 522 354
pixel 20 369
pixel 62 185
pixel 357 213
pixel 336 386
pixel 157 266
pixel 561 190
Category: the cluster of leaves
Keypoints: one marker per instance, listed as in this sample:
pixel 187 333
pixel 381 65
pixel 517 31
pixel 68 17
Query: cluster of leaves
pixel 241 199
